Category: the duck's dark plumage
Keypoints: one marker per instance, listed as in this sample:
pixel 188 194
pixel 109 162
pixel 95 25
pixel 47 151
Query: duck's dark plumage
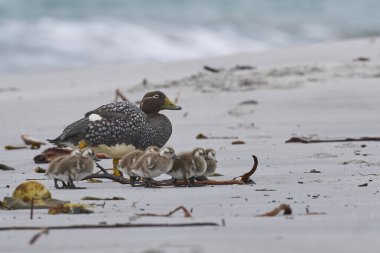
pixel 122 123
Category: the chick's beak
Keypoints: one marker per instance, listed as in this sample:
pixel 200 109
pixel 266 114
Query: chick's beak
pixel 169 105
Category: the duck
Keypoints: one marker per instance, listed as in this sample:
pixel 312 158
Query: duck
pixel 74 167
pixel 119 127
pixel 188 166
pixel 154 164
pixel 127 161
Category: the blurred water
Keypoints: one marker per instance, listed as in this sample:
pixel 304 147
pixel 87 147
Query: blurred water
pixel 37 35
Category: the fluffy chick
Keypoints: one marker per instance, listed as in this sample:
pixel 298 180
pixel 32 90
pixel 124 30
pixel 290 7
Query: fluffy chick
pixel 211 162
pixel 154 164
pixel 128 160
pixel 79 164
pixel 188 166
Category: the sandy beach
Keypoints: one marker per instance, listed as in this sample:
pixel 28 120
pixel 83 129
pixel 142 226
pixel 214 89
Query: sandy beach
pixel 327 90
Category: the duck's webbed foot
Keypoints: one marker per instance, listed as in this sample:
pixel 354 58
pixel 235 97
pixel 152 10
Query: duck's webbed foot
pixel 201 178
pixel 71 185
pixel 132 180
pixel 192 183
pixel 64 185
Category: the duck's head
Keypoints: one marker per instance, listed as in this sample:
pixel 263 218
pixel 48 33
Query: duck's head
pixel 210 154
pixel 89 154
pixel 199 152
pixel 168 152
pixel 155 101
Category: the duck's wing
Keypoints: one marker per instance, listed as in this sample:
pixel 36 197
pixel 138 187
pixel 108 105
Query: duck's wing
pixel 123 109
pixel 109 124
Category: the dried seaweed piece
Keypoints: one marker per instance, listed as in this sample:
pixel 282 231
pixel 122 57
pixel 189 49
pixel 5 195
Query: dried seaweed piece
pixel 5 167
pixel 311 140
pixel 363 185
pixel 203 136
pixel 39 170
pixel 34 143
pixel 283 207
pixel 361 58
pixel 246 177
pixel 11 147
pixel 186 213
pixel 105 226
pixel 265 190
pixel 243 67
pixel 313 171
pixel 69 208
pixel 120 95
pixel 212 69
pixel 314 213
pixel 239 142
pixel 50 154
pixel 106 175
pixel 96 198
pixel 44 231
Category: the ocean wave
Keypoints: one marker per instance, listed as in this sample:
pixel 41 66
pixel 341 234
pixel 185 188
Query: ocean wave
pixel 49 43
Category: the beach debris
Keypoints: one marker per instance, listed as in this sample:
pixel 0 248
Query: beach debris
pixel 212 69
pixel 238 142
pixel 108 226
pixel 32 142
pixel 203 136
pixel 69 208
pixel 105 174
pixel 246 177
pixel 313 140
pixel 313 171
pixel 361 58
pixel 30 193
pixel 50 154
pixel 186 213
pixel 96 198
pixel 363 185
pixel 243 67
pixel 121 96
pixel 371 174
pixel 5 167
pixel 283 207
pixel 265 190
pixel 314 213
pixel 44 231
pixel 94 181
pixel 12 147
pixel 39 170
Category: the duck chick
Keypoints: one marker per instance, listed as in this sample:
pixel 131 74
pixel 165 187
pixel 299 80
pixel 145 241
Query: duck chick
pixel 128 160
pixel 79 164
pixel 153 164
pixel 188 166
pixel 211 163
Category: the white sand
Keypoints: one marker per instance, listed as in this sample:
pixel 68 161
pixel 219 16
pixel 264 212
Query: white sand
pixel 314 90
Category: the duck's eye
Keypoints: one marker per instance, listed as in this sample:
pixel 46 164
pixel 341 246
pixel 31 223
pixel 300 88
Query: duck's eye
pixel 156 96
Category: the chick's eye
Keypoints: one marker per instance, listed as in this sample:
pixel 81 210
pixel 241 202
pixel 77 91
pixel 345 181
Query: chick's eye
pixel 156 96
